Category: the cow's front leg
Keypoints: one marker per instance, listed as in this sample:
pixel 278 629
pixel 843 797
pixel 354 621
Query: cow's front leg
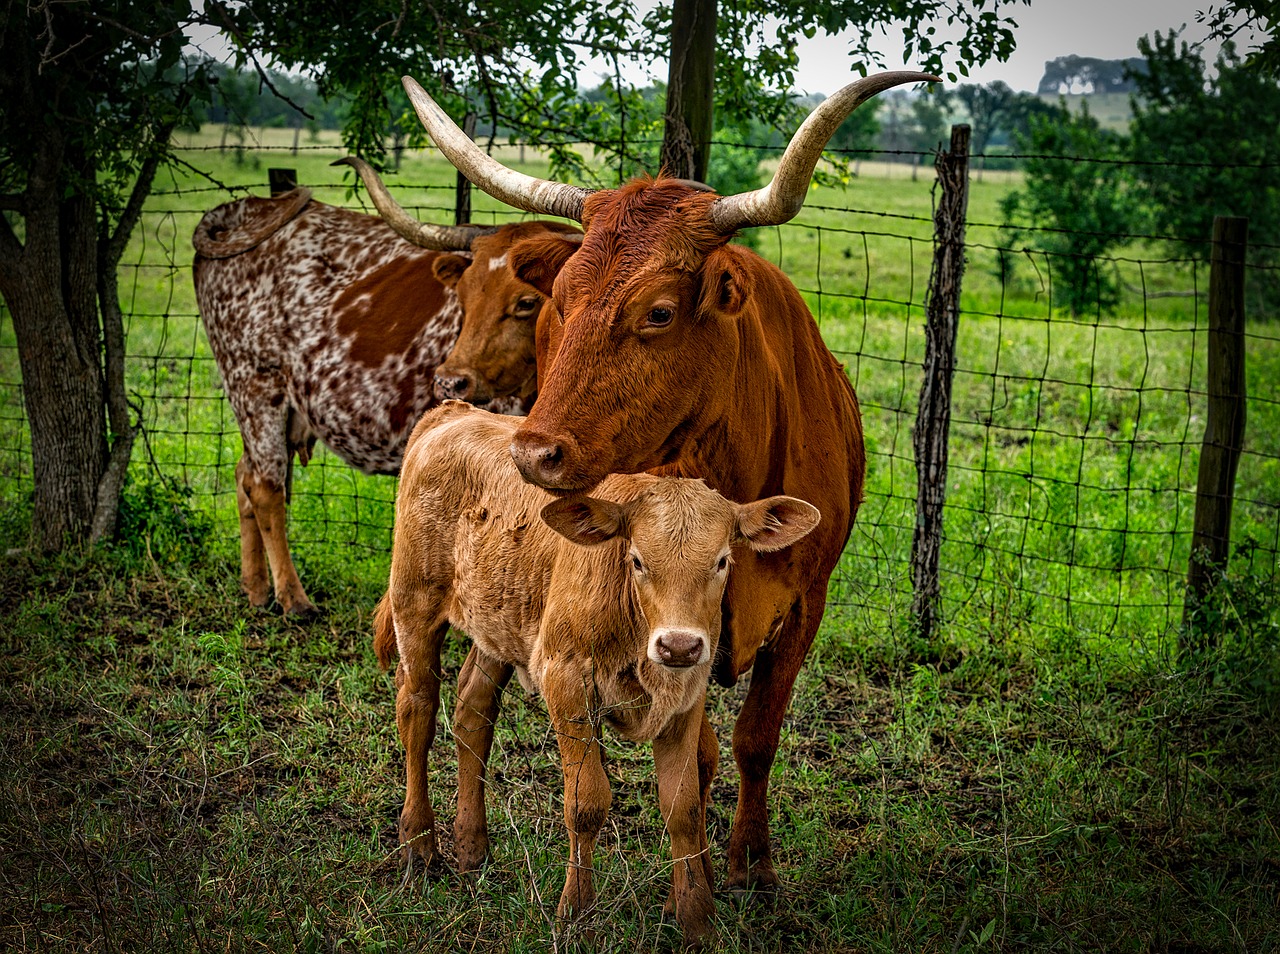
pixel 680 761
pixel 480 685
pixel 755 744
pixel 574 715
pixel 419 636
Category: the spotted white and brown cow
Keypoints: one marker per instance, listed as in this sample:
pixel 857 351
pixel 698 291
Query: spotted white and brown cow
pixel 327 324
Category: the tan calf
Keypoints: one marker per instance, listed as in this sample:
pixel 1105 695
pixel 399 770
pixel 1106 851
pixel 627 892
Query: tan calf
pixel 609 606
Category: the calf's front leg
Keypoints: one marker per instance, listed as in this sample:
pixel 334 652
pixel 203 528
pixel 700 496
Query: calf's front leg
pixel 417 703
pixel 586 787
pixel 683 780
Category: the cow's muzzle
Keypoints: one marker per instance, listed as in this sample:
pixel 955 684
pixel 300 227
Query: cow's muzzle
pixel 456 386
pixel 550 464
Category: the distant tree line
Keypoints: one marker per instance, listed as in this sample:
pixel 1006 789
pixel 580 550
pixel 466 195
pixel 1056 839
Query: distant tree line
pixel 1201 143
pixel 1087 74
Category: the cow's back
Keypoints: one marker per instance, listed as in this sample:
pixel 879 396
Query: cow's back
pixel 335 308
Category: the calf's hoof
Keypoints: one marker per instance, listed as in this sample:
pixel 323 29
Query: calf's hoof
pixel 692 913
pixel 471 852
pixel 259 594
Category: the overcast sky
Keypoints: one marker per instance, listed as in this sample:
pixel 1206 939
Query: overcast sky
pixel 1107 29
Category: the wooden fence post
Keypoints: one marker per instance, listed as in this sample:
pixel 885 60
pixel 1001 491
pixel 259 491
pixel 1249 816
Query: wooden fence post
pixel 282 180
pixel 1224 426
pixel 462 191
pixel 933 418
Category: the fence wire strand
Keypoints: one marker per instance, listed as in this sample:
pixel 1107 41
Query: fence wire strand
pixel 1074 438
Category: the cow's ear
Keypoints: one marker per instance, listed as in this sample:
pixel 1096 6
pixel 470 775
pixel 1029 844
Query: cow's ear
pixel 776 522
pixel 448 268
pixel 724 286
pixel 537 261
pixel 585 520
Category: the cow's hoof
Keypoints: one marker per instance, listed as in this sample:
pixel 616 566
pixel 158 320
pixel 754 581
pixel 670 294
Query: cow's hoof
pixel 761 887
pixel 300 611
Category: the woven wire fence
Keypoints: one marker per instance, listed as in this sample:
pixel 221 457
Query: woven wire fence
pixel 1074 438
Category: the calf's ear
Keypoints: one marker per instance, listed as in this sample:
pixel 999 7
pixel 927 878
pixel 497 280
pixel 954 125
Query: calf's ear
pixel 537 261
pixel 776 522
pixel 585 520
pixel 449 268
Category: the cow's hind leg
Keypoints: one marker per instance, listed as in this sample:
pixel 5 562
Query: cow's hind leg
pixel 266 501
pixel 420 631
pixel 255 579
pixel 480 685
pixel 755 743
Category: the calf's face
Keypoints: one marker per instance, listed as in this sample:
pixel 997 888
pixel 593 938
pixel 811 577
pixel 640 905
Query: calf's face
pixel 680 536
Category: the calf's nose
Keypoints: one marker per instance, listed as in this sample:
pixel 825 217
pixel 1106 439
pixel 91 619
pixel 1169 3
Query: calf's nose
pixel 679 649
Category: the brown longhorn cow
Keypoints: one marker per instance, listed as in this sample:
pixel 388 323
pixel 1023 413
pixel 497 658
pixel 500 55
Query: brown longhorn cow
pixel 326 323
pixel 683 353
pixel 613 618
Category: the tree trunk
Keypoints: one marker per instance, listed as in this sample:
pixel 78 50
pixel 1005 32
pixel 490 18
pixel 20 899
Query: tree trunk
pixel 686 141
pixel 50 285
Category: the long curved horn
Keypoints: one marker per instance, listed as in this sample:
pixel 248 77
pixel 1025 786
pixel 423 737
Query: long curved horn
pixel 439 238
pixel 784 196
pixel 540 196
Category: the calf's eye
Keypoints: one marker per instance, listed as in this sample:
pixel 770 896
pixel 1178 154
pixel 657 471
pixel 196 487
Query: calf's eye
pixel 722 565
pixel 636 564
pixel 526 307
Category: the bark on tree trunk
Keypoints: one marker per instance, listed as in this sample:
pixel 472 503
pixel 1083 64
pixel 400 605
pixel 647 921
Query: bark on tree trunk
pixel 51 287
pixel 686 141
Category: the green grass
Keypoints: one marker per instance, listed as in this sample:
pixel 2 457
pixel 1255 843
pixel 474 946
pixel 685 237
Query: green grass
pixel 184 773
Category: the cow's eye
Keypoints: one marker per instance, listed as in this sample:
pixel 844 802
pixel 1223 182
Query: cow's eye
pixel 659 317
pixel 636 564
pixel 526 307
pixel 723 564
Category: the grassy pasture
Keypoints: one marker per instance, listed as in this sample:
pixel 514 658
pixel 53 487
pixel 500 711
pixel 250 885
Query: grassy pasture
pixel 184 774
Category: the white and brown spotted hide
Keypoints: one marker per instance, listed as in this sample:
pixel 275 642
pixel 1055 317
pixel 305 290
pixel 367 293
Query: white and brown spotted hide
pixel 324 324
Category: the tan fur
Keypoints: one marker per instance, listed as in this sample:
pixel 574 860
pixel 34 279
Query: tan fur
pixel 613 615
pixel 384 632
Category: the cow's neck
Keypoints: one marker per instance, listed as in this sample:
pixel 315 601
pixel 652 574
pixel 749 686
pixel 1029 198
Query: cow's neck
pixel 759 446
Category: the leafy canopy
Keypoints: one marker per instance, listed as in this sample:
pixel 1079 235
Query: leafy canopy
pixel 516 63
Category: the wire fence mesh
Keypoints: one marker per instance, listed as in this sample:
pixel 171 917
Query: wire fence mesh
pixel 1074 437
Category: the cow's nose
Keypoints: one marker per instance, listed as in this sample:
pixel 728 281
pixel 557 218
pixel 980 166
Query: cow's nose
pixel 457 387
pixel 539 459
pixel 679 649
